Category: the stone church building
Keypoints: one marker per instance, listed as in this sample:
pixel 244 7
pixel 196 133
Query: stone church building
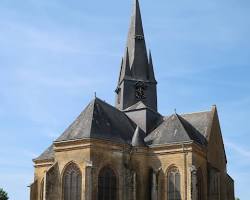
pixel 130 151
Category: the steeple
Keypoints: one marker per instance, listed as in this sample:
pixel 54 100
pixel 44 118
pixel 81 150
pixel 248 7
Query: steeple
pixel 137 46
pixel 137 80
pixel 151 73
pixel 125 67
pixel 136 50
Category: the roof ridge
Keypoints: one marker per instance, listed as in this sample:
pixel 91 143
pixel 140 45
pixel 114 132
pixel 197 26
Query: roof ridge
pixel 100 120
pixel 191 113
pixel 193 134
pixel 198 112
pixel 90 108
pixel 111 106
pixel 106 103
pixel 183 126
pixel 135 107
pixel 138 138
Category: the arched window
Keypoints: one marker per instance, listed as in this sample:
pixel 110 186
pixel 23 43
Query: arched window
pixel 173 184
pixel 107 189
pixel 72 180
pixel 42 189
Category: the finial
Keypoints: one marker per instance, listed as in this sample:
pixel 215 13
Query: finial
pixel 95 95
pixel 175 111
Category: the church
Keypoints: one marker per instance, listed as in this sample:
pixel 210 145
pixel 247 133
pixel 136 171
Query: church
pixel 130 151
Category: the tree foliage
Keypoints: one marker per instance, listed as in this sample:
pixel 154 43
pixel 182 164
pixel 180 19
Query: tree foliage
pixel 3 195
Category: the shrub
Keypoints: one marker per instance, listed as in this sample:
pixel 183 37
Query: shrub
pixel 3 195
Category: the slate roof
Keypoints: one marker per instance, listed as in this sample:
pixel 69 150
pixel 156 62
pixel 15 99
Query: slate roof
pixel 139 106
pixel 135 63
pixel 48 154
pixel 101 121
pixel 138 138
pixel 177 129
pixel 145 117
pixel 200 121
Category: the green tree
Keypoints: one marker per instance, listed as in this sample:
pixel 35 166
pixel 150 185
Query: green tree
pixel 237 199
pixel 3 195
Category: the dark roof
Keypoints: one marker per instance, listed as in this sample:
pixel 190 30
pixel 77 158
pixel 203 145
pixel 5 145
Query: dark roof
pixel 137 106
pixel 101 121
pixel 125 67
pixel 145 117
pixel 177 129
pixel 151 72
pixel 135 64
pixel 138 138
pixel 48 154
pixel 200 121
pixel 192 132
pixel 137 46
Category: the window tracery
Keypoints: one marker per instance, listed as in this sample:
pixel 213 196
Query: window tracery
pixel 107 181
pixel 173 184
pixel 72 179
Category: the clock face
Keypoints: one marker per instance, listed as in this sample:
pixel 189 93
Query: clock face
pixel 140 91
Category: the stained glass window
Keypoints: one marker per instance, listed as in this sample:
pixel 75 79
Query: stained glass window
pixel 173 184
pixel 72 183
pixel 107 189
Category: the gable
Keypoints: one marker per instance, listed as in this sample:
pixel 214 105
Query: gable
pixel 216 150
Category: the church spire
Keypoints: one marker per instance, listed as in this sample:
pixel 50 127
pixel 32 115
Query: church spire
pixel 151 73
pixel 137 80
pixel 136 27
pixel 125 67
pixel 136 45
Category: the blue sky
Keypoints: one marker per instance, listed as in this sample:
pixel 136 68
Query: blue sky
pixel 55 54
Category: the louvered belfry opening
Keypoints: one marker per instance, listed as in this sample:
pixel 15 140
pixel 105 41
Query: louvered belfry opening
pixel 107 184
pixel 174 179
pixel 72 180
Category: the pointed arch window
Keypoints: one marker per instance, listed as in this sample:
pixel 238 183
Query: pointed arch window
pixel 72 180
pixel 173 184
pixel 107 189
